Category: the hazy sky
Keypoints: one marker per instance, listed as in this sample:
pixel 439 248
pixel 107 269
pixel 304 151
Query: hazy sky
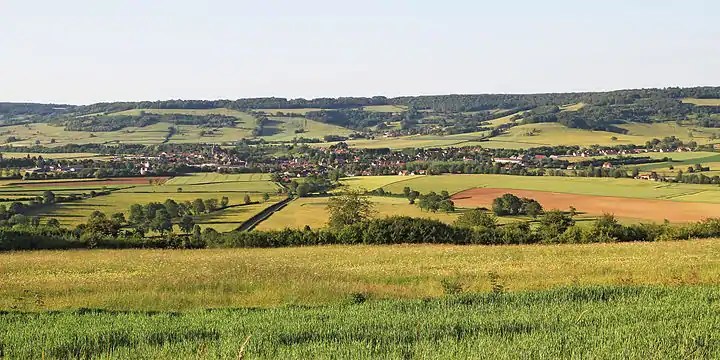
pixel 83 51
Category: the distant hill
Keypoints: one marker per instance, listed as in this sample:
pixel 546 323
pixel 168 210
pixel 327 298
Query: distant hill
pixel 370 117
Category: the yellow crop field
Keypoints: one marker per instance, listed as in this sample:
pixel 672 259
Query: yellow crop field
pixel 702 102
pixel 199 279
pixel 312 212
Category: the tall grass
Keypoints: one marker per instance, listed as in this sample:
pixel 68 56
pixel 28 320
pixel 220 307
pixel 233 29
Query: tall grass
pixel 588 322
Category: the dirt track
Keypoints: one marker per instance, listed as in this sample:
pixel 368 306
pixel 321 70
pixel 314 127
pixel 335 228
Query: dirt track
pixel 645 209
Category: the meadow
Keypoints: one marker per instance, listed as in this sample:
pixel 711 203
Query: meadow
pixel 571 185
pixel 285 129
pixel 313 212
pixel 175 280
pixel 63 156
pixel 569 323
pixel 553 134
pixel 702 102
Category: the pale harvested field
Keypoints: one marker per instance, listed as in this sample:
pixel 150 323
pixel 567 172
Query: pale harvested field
pixel 644 209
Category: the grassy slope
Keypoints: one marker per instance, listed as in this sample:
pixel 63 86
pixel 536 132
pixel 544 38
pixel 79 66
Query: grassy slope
pixel 73 156
pixel 153 134
pixel 187 280
pixel 556 134
pixel 242 116
pixel 283 129
pixel 702 102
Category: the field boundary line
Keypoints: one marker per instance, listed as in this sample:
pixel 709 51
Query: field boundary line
pixel 263 215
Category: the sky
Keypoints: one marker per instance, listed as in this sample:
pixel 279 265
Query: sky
pixel 86 51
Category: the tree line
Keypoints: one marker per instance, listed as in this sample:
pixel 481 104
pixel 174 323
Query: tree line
pixel 474 227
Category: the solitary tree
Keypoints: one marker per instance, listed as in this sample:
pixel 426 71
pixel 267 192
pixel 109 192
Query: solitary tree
pixel 48 197
pixel 349 208
pixel 246 199
pixel 211 205
pixel 224 202
pixel 266 197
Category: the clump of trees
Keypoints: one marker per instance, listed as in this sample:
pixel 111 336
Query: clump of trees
pixel 310 185
pixel 350 208
pixel 512 205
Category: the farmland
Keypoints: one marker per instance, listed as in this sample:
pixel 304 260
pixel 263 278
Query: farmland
pixel 551 134
pixel 125 192
pixel 643 209
pixel 702 102
pixel 633 322
pixel 288 128
pixel 313 212
pixel 212 278
pixel 582 186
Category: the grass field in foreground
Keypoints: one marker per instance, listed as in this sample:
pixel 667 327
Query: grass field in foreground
pixel 211 278
pixel 569 323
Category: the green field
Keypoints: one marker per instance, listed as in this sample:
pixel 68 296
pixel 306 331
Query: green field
pixel 312 212
pixel 502 121
pixel 702 102
pixel 570 323
pixel 385 108
pixel 374 182
pixel 213 177
pixel 29 134
pixel 284 129
pixel 77 212
pixel 300 111
pixel 572 107
pixel 59 156
pixel 552 134
pixel 180 189
pixel 242 116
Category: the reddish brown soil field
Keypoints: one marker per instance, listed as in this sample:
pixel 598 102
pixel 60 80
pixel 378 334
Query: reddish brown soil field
pixel 100 183
pixel 645 209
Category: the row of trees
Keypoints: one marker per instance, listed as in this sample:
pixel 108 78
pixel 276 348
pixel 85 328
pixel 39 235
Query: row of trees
pixel 473 227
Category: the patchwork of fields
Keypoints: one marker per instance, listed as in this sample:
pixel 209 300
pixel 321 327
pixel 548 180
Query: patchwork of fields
pixel 128 191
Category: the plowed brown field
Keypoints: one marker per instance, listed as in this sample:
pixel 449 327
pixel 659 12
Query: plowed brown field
pixel 645 209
